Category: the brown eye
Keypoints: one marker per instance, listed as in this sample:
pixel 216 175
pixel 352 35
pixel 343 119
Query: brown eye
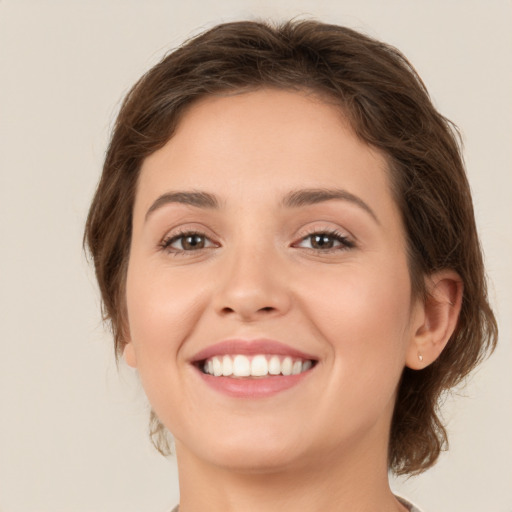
pixel 322 241
pixel 192 242
pixel 187 242
pixel 325 242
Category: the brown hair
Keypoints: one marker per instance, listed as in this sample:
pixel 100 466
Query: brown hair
pixel 389 108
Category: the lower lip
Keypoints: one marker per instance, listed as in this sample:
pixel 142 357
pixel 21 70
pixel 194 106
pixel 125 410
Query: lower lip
pixel 253 387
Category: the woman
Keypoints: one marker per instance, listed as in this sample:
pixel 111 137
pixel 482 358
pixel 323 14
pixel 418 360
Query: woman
pixel 285 244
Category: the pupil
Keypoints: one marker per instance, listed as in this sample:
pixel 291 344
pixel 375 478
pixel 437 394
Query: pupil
pixel 193 242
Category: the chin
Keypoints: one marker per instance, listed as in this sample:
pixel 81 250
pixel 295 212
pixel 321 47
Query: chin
pixel 251 452
pixel 256 460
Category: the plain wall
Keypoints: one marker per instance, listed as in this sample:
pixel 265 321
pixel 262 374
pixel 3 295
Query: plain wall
pixel 73 428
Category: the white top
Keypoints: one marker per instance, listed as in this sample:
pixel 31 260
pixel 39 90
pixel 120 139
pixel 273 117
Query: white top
pixel 408 504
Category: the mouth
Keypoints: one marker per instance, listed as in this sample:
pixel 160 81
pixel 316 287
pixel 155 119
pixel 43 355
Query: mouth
pixel 252 368
pixel 256 366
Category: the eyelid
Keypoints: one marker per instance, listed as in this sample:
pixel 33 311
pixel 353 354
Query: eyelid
pixel 187 227
pixel 313 228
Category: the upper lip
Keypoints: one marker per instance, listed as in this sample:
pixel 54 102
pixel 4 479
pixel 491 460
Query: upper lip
pixel 250 347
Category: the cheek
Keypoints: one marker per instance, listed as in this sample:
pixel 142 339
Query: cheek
pixel 364 314
pixel 161 311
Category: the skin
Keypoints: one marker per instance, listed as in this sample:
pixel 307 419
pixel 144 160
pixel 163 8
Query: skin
pixel 321 445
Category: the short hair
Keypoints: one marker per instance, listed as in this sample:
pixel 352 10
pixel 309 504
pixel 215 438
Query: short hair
pixel 388 107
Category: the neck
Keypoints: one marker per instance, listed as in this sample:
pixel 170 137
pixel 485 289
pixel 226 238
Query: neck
pixel 358 484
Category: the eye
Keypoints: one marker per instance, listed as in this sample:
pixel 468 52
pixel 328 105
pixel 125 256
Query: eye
pixel 186 242
pixel 325 241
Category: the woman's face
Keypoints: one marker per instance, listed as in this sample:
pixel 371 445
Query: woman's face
pixel 266 241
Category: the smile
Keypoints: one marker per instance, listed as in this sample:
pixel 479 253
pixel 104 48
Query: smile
pixel 250 369
pixel 259 365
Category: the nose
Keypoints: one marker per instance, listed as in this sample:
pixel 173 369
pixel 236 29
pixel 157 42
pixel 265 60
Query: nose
pixel 252 286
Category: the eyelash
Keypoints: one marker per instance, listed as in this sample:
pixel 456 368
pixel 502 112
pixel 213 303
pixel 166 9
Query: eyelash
pixel 168 241
pixel 345 242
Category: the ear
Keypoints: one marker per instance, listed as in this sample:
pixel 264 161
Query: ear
pixel 436 319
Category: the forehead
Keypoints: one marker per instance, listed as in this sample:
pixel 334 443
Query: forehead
pixel 267 141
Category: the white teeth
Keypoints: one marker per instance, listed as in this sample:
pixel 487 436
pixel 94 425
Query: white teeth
pixel 259 366
pixel 306 365
pixel 241 366
pixel 274 366
pixel 254 366
pixel 217 367
pixel 227 366
pixel 286 366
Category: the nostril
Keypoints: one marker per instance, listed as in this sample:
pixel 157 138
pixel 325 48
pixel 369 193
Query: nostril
pixel 247 313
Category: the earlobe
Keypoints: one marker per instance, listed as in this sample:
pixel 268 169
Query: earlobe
pixel 440 313
pixel 127 344
pixel 129 355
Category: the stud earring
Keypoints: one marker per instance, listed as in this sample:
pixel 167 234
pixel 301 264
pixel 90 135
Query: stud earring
pixel 420 357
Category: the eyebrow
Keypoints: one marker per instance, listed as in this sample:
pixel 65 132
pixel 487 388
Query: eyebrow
pixel 198 199
pixel 310 196
pixel 294 199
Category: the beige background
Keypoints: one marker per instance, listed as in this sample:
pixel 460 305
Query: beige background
pixel 73 428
